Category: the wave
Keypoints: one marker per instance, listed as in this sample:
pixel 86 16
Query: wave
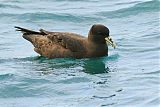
pixel 6 76
pixel 39 16
pixel 9 6
pixel 150 6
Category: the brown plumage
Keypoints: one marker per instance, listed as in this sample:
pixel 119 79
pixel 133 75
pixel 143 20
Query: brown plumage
pixel 65 44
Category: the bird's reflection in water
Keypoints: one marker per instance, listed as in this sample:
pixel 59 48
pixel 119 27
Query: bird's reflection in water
pixel 95 66
pixel 89 65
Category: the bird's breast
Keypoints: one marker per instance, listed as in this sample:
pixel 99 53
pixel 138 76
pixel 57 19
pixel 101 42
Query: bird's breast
pixel 97 50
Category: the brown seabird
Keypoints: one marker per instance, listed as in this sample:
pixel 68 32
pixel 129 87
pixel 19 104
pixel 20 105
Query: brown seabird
pixel 70 45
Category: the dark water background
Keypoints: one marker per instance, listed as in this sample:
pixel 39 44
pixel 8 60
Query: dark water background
pixel 128 77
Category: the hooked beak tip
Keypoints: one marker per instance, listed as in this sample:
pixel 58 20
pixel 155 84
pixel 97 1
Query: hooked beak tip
pixel 110 41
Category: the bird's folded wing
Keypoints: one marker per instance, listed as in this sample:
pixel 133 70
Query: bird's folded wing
pixel 69 41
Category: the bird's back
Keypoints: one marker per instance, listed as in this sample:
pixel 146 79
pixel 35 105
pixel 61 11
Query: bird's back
pixel 60 45
pixel 56 44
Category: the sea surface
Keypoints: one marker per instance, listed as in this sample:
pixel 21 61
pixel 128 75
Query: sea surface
pixel 128 77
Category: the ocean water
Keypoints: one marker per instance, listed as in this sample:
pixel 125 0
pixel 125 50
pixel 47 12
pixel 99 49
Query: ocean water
pixel 128 77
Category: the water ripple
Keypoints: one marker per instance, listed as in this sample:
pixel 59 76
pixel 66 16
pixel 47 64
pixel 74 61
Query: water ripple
pixel 3 6
pixel 48 16
pixel 150 6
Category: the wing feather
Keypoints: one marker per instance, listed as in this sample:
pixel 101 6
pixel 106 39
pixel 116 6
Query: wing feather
pixel 70 41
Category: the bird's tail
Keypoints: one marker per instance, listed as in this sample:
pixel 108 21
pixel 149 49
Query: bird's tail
pixel 30 34
pixel 27 34
pixel 26 31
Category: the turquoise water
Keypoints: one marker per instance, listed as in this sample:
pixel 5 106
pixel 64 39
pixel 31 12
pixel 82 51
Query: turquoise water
pixel 129 76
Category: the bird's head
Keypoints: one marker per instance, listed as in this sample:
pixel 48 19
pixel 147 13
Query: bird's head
pixel 100 34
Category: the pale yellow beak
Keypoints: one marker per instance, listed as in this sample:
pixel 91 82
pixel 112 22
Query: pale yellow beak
pixel 110 41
